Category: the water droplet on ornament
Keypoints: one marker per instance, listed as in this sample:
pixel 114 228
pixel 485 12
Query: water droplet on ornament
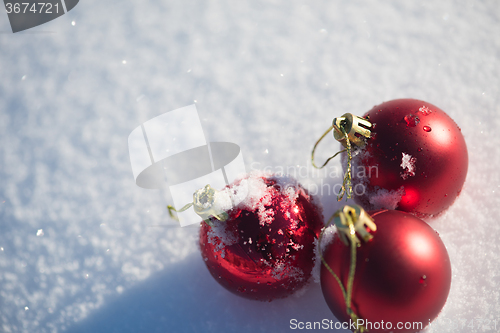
pixel 411 120
pixel 242 289
pixel 419 149
pixel 269 283
pixel 445 195
pixel 422 279
pixel 427 128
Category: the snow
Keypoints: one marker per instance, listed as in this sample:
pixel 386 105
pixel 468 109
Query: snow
pixel 425 110
pixel 382 198
pixel 326 238
pixel 257 196
pixel 267 75
pixel 408 165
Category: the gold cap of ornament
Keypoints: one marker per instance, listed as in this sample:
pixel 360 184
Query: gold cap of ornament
pixel 346 129
pixel 352 125
pixel 203 204
pixel 352 221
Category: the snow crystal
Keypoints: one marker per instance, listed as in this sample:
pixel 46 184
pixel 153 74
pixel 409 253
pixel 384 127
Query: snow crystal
pixel 280 270
pixel 223 200
pixel 254 194
pixel 385 199
pixel 425 110
pixel 221 236
pixel 326 239
pixel 258 195
pixel 408 165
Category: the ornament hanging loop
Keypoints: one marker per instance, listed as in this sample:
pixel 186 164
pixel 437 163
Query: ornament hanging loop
pixel 316 145
pixel 346 129
pixel 357 129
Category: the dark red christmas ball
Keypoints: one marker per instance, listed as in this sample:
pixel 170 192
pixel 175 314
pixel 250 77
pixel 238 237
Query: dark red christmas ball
pixel 265 249
pixel 402 275
pixel 416 160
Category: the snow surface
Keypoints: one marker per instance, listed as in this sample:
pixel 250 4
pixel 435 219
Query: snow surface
pixel 80 250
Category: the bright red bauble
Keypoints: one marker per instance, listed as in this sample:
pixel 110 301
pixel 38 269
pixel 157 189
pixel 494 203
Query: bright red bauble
pixel 265 250
pixel 403 273
pixel 416 160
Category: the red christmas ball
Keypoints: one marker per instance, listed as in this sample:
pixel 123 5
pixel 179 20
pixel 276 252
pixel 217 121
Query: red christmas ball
pixel 415 161
pixel 402 276
pixel 265 249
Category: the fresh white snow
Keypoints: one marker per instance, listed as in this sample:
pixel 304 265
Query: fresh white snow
pixel 83 249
